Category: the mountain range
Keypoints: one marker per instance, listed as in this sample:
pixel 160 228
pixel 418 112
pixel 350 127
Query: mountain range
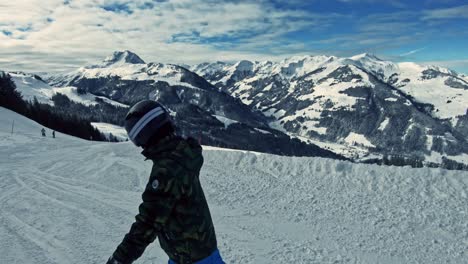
pixel 360 107
pixel 199 109
pixel 364 104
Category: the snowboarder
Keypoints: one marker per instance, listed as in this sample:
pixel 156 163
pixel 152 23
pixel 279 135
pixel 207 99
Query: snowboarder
pixel 43 132
pixel 53 134
pixel 174 208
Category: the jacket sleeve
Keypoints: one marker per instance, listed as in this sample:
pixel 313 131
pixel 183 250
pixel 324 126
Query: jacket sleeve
pixel 159 198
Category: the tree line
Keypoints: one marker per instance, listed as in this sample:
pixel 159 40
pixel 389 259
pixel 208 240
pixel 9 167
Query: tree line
pixel 415 162
pixel 100 112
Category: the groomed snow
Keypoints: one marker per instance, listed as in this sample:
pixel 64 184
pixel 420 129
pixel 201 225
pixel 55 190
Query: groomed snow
pixel 67 200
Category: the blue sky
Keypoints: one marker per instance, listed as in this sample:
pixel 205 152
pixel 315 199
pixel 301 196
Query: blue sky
pixel 62 35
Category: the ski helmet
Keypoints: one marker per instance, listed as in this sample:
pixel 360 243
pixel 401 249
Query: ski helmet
pixel 144 120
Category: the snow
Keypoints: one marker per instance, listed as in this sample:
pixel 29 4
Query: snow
pixel 429 142
pixel 211 148
pixel 300 65
pixel 374 64
pixel 462 158
pixel 242 88
pixel 384 124
pixel 275 112
pixel 30 87
pixel 262 131
pixel 119 132
pixel 243 66
pixel 169 73
pixel 409 128
pixel 313 125
pixel 328 92
pixel 226 121
pixel 331 92
pixel 435 157
pixel 246 101
pixel 349 151
pixel 448 102
pixel 86 99
pixel 123 57
pixel 362 56
pixel 355 138
pixel 24 130
pixel 209 68
pixel 268 87
pixel 67 200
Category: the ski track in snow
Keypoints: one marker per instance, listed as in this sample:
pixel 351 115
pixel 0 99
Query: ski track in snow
pixel 65 200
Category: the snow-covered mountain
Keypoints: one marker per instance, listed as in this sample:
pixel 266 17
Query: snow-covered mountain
pixel 365 104
pixel 70 201
pixel 361 107
pixel 198 107
pixel 33 86
pixel 125 77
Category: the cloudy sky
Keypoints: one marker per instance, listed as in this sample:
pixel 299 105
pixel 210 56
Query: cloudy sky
pixel 54 35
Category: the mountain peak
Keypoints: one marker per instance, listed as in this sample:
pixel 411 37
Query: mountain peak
pixel 121 57
pixel 244 66
pixel 365 56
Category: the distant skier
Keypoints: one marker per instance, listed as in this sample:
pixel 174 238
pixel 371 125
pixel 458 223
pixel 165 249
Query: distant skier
pixel 53 134
pixel 174 208
pixel 43 132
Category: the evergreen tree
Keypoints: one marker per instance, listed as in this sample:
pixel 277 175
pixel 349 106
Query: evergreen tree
pixel 9 97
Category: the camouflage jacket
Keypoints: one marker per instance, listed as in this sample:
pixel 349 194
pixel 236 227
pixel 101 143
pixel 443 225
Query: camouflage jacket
pixel 174 207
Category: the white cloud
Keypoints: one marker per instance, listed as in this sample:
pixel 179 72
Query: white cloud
pixel 412 52
pixel 447 13
pixel 394 3
pixel 51 35
pixel 171 31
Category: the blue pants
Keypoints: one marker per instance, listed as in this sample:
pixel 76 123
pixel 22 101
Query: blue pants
pixel 214 258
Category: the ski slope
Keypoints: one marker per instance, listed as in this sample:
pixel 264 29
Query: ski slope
pixel 66 200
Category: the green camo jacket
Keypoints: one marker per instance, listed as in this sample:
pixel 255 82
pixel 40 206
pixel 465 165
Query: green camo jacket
pixel 174 207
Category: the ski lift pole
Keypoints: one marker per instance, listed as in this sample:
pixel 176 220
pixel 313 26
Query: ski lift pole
pixel 12 127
